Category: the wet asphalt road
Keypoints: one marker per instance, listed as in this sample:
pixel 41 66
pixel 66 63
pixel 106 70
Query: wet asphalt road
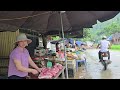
pixel 95 68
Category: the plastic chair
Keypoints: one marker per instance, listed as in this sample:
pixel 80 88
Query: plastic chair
pixel 79 61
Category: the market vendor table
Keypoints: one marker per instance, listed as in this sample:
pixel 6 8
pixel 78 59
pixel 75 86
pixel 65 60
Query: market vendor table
pixel 58 74
pixel 61 72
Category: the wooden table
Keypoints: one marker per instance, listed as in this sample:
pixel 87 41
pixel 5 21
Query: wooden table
pixel 58 74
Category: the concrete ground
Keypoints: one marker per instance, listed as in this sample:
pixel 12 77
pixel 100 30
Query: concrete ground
pixel 95 69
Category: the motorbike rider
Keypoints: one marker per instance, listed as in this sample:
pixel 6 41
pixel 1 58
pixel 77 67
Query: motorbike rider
pixel 104 46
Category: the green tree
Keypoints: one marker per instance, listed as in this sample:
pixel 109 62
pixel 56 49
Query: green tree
pixel 86 34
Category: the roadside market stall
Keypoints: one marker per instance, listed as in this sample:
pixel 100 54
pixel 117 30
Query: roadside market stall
pixel 44 22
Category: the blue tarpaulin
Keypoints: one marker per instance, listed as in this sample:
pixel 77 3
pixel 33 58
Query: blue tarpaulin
pixel 71 41
pixel 110 38
pixel 79 43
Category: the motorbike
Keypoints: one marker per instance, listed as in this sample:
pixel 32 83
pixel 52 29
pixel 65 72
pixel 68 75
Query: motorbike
pixel 104 59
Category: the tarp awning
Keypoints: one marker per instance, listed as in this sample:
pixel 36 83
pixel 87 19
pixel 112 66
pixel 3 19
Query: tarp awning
pixel 49 21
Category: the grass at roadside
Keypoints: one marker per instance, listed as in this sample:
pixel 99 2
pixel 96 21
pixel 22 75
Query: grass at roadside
pixel 115 47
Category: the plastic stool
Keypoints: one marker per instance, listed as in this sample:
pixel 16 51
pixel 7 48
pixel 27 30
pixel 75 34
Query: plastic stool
pixel 84 61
